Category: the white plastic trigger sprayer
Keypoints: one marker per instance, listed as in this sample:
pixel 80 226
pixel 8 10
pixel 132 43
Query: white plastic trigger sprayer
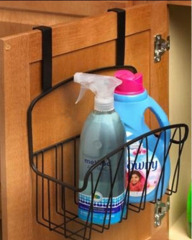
pixel 102 86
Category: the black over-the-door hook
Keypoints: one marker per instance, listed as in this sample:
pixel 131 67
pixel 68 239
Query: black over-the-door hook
pixel 46 57
pixel 120 43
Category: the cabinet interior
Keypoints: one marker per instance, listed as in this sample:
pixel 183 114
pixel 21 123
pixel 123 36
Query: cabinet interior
pixel 180 85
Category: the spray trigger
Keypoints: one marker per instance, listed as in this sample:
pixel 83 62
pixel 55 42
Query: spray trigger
pixel 81 94
pixel 102 86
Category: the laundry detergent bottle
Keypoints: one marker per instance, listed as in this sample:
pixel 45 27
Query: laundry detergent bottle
pixel 131 102
pixel 102 201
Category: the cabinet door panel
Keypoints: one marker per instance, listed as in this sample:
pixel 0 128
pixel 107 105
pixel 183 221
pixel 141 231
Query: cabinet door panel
pixel 78 46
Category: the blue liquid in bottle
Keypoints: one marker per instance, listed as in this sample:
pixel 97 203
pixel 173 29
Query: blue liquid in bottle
pixel 102 201
pixel 102 133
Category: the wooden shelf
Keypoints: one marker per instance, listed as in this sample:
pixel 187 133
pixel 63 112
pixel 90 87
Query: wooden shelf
pixel 180 3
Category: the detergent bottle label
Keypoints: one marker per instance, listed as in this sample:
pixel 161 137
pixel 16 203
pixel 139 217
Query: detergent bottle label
pixel 143 170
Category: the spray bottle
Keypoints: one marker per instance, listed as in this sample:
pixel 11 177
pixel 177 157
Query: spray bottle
pixel 131 102
pixel 102 133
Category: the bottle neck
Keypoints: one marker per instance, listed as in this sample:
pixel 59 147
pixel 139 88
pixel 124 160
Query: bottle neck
pixel 102 113
pixel 104 104
pixel 131 98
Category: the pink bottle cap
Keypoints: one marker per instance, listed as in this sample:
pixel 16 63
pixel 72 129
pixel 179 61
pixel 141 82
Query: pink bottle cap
pixel 132 83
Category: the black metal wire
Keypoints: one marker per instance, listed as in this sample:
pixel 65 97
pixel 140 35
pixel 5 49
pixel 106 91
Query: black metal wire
pixel 49 215
pixel 44 94
pixel 52 208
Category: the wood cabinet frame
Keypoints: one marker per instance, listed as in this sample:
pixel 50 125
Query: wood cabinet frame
pixel 20 61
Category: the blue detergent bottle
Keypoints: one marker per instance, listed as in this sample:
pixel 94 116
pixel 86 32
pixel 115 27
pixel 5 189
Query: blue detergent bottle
pixel 131 102
pixel 103 132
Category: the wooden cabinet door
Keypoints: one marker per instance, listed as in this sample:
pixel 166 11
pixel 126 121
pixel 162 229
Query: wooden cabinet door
pixel 78 46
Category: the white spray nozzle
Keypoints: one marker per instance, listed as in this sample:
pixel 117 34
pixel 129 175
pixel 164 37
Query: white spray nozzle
pixel 102 86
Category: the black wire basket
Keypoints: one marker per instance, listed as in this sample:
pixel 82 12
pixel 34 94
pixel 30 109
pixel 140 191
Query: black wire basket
pixel 56 167
pixel 57 198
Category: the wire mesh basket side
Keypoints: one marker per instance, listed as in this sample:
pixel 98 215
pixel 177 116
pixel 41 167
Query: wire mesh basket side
pixel 58 197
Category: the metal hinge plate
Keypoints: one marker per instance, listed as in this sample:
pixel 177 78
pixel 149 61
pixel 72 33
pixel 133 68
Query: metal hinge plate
pixel 160 47
pixel 160 210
